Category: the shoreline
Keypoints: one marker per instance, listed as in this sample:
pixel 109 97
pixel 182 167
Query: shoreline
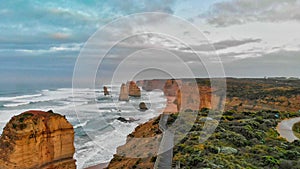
pixel 170 108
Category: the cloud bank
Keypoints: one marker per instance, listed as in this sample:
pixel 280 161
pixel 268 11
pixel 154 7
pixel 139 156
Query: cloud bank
pixel 243 11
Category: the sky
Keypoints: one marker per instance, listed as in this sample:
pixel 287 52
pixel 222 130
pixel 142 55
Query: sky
pixel 253 38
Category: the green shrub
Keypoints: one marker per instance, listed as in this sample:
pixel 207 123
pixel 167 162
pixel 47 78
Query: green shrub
pixel 270 160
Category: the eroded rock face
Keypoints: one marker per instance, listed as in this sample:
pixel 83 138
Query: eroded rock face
pixel 124 95
pixel 195 98
pixel 171 87
pixel 37 139
pixel 134 90
pixel 150 85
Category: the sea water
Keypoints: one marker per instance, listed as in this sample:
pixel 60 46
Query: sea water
pixel 98 133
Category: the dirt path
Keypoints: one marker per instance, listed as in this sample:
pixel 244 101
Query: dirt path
pixel 285 129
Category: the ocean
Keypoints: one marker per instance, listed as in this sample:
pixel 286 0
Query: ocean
pixel 45 84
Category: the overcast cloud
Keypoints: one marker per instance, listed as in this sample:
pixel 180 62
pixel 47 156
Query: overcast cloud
pixel 243 11
pixel 240 31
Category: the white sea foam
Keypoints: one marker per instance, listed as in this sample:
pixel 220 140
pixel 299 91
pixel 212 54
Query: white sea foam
pixel 19 97
pixel 15 104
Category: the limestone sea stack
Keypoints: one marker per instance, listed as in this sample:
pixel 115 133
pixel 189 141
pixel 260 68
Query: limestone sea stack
pixel 105 91
pixel 37 139
pixel 124 96
pixel 134 90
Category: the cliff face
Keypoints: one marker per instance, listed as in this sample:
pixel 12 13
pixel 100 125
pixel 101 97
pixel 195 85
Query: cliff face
pixel 171 86
pixel 150 85
pixel 133 148
pixel 187 95
pixel 196 98
pixel 241 94
pixel 37 139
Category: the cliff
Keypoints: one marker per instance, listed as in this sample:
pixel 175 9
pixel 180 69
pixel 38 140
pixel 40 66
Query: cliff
pixel 249 102
pixel 187 95
pixel 37 139
pixel 241 94
pixel 150 85
pixel 195 98
pixel 171 86
pixel 133 148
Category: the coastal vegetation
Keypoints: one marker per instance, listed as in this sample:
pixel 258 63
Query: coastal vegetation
pixel 241 140
pixel 245 136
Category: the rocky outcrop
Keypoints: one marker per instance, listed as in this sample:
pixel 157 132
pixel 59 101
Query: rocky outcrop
pixel 124 95
pixel 143 106
pixel 170 88
pixel 130 120
pixel 37 139
pixel 134 90
pixel 195 98
pixel 105 91
pixel 150 85
pixel 241 94
pixel 145 148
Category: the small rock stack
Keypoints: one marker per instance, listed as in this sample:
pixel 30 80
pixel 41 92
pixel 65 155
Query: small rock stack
pixel 105 91
pixel 134 90
pixel 143 106
pixel 124 96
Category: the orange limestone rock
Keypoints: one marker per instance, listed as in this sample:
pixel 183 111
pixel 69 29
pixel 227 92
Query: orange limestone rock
pixel 171 87
pixel 124 96
pixel 37 139
pixel 195 98
pixel 134 90
pixel 150 85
